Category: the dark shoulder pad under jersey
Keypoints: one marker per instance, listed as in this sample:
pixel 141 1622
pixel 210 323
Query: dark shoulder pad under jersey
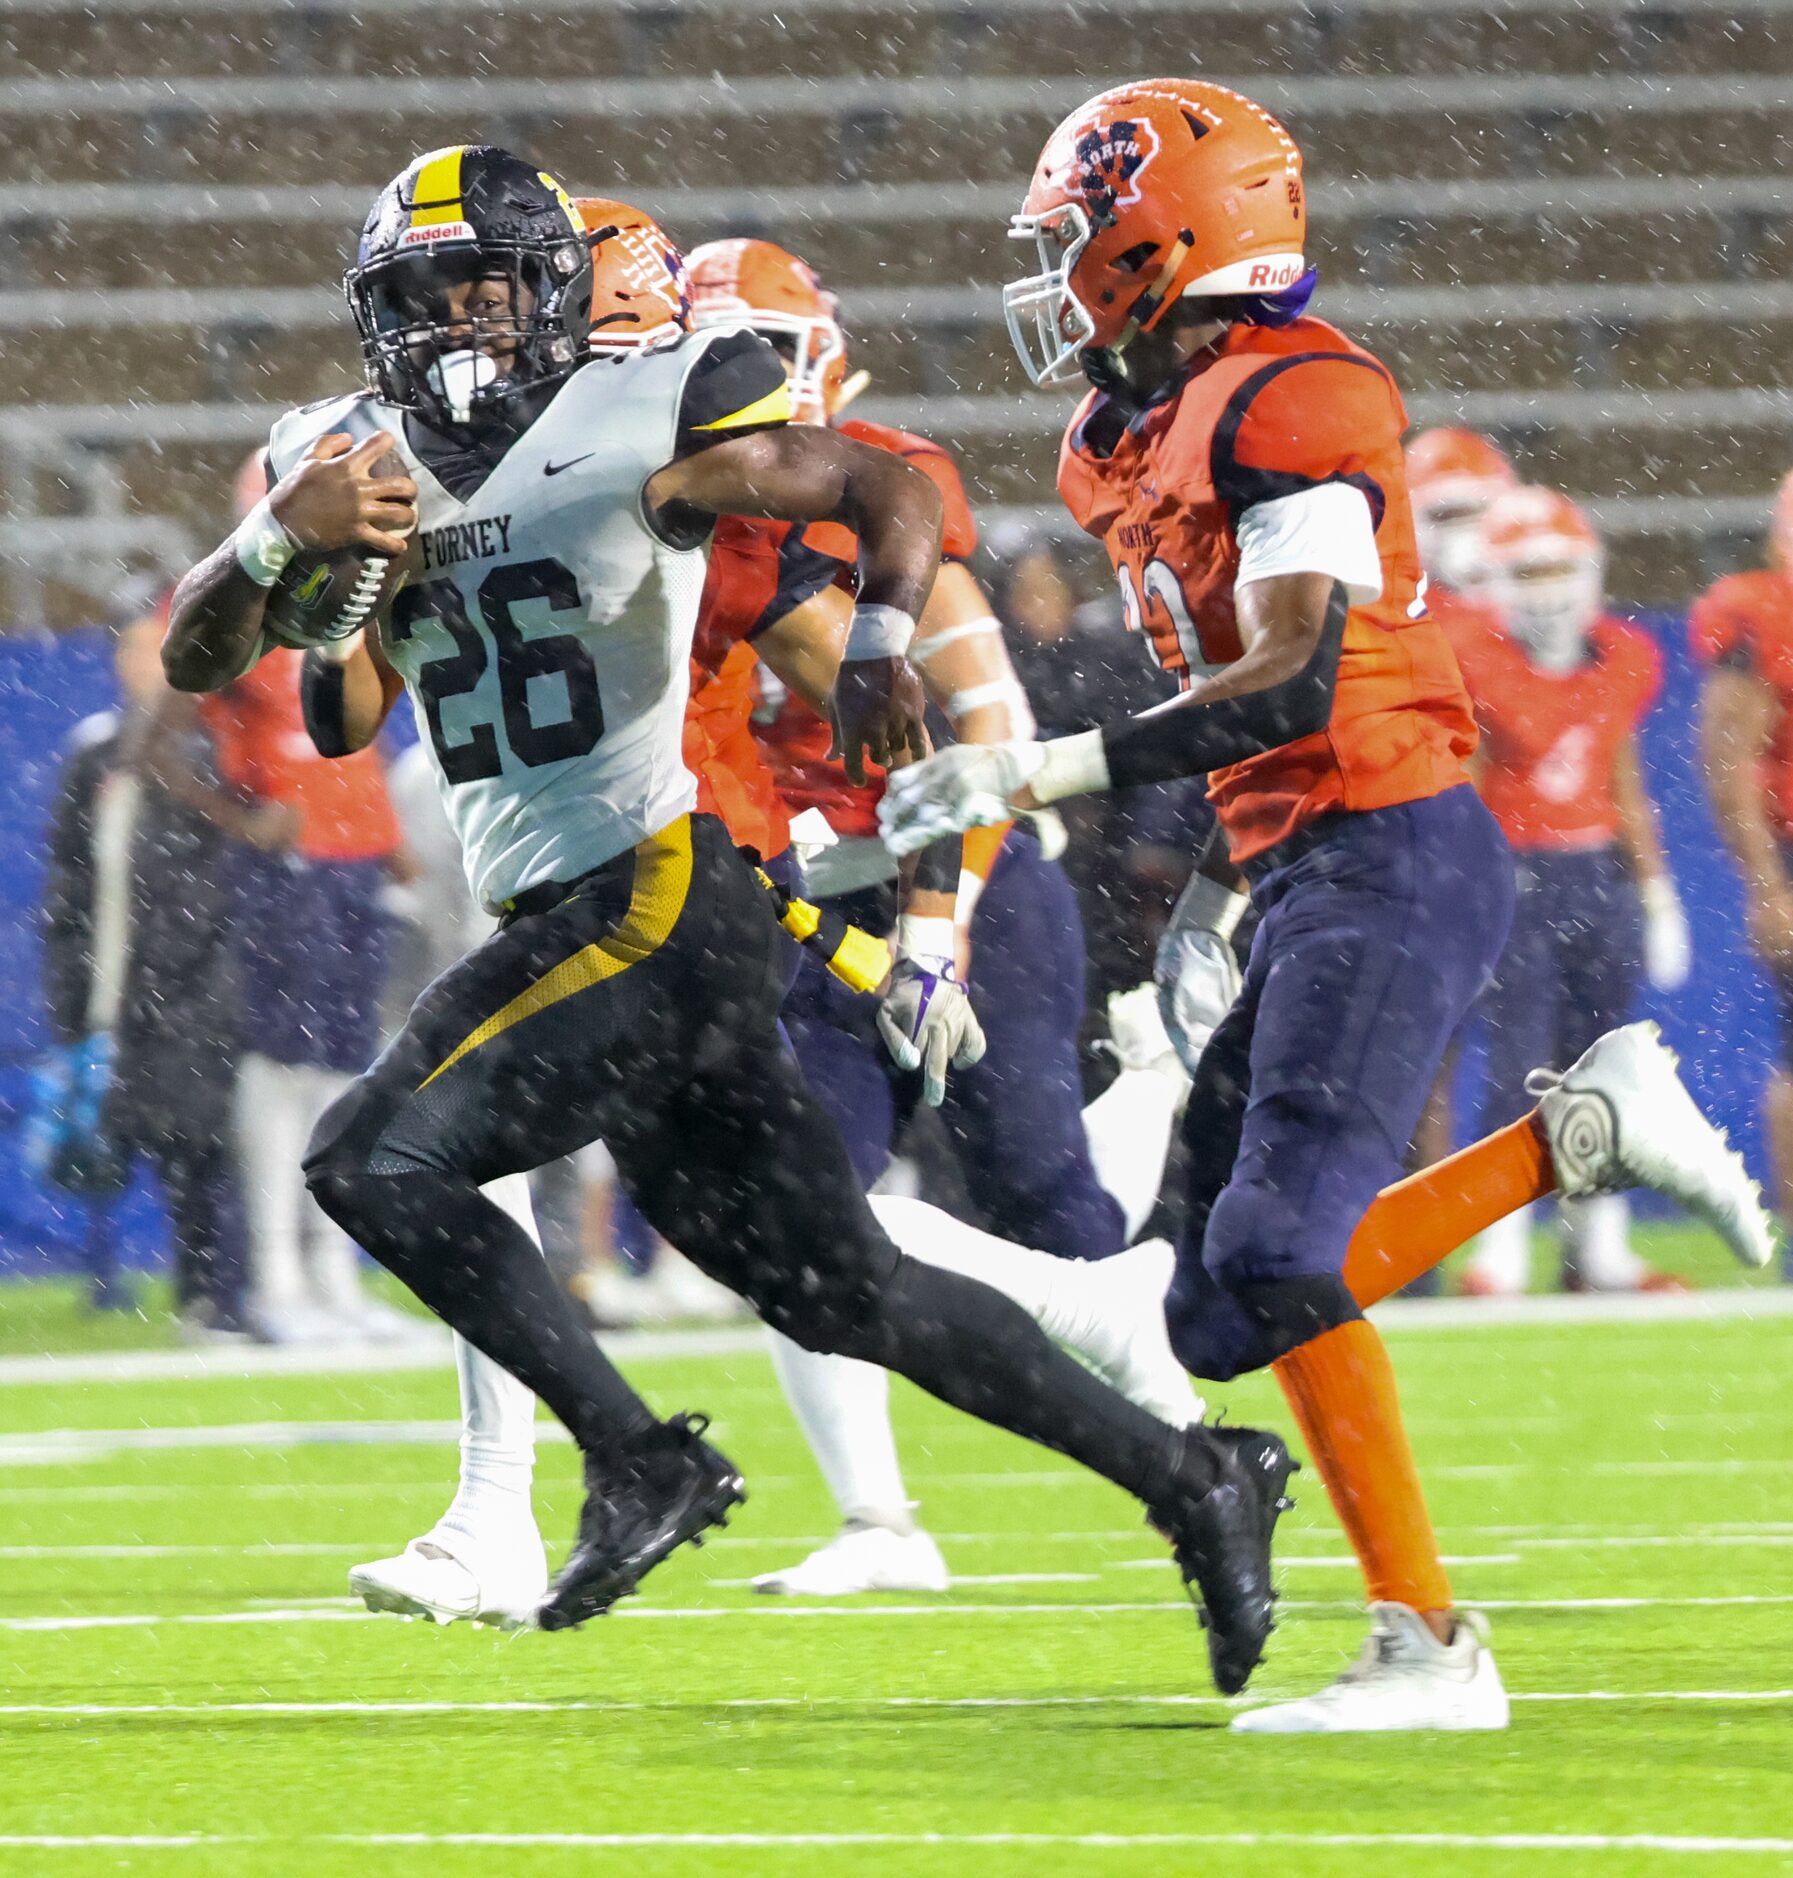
pixel 803 571
pixel 736 386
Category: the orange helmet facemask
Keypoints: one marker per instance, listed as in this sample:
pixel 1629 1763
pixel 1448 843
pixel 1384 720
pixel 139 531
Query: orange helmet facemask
pixel 1545 574
pixel 1148 194
pixel 1452 477
pixel 640 286
pixel 759 284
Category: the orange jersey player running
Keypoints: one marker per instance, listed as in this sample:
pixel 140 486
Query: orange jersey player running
pixel 1242 464
pixel 1560 689
pixel 1041 1172
pixel 1742 632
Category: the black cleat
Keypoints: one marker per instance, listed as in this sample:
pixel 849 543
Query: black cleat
pixel 675 1489
pixel 1221 1539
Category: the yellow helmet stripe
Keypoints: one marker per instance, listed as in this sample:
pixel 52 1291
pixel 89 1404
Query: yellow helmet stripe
pixel 773 408
pixel 437 193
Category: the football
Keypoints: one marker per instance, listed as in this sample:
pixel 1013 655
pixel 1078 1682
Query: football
pixel 325 596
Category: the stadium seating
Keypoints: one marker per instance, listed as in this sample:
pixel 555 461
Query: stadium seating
pixel 1508 201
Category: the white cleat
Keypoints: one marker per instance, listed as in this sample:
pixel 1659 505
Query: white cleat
pixel 447 1578
pixel 1622 1117
pixel 862 1558
pixel 1136 1032
pixel 1123 1337
pixel 1405 1680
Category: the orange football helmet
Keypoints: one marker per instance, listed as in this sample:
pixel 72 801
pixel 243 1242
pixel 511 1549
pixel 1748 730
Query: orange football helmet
pixel 1545 573
pixel 1156 190
pixel 1452 476
pixel 640 285
pixel 759 284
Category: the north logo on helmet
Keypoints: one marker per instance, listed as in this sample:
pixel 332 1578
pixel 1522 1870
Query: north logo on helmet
pixel 1110 158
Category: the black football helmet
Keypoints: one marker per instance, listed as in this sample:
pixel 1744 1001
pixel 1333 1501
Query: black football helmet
pixel 473 213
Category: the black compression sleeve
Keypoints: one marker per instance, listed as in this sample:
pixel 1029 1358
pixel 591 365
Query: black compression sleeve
pixel 320 696
pixel 1188 738
pixel 938 865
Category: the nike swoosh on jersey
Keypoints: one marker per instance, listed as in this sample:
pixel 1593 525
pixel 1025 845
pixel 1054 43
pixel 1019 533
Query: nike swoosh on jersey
pixel 554 469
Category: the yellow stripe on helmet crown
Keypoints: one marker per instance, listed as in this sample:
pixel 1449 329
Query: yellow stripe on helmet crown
pixel 436 195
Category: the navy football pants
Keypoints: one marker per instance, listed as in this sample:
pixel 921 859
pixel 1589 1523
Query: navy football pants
pixel 1378 930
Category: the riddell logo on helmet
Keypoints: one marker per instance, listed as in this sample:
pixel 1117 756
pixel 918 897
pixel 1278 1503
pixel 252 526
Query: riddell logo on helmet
pixel 1108 163
pixel 1268 279
pixel 437 231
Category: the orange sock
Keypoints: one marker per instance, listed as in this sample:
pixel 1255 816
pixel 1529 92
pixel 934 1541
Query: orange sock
pixel 1341 1388
pixel 1414 1224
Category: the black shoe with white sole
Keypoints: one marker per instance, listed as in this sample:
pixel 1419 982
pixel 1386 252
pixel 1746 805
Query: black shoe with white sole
pixel 674 1490
pixel 1221 1539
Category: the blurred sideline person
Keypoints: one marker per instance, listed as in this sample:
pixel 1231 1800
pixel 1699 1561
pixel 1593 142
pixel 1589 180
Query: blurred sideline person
pixel 1241 462
pixel 139 977
pixel 1452 477
pixel 1741 630
pixel 1560 688
pixel 1015 1115
pixel 631 993
pixel 312 937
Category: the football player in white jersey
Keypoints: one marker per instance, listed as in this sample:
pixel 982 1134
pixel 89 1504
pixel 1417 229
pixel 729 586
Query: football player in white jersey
pixel 561 504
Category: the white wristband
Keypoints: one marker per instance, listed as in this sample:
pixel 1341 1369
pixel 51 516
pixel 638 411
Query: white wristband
pixel 1071 766
pixel 929 940
pixel 878 632
pixel 263 547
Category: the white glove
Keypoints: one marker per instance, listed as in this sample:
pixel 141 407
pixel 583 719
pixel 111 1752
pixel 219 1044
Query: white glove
pixel 1196 968
pixel 925 1017
pixel 966 785
pixel 1668 945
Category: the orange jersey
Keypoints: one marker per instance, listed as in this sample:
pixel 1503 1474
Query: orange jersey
pixel 794 739
pixel 1276 412
pixel 265 750
pixel 1747 620
pixel 756 576
pixel 1551 740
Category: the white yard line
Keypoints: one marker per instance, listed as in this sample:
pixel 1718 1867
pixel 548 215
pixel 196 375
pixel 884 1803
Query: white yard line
pixel 849 1841
pixel 432 1350
pixel 103 1711
pixel 333 1611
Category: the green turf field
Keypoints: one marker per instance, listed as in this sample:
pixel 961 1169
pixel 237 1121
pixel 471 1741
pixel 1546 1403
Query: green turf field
pixel 1618 1496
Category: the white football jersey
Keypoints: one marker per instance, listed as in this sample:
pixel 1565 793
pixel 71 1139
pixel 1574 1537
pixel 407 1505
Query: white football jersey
pixel 545 629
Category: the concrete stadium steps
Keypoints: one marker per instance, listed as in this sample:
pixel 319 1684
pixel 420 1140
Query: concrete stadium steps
pixel 779 133
pixel 960 238
pixel 1052 38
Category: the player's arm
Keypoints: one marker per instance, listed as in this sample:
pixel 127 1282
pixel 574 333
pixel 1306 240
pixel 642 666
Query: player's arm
pixel 1281 689
pixel 1668 945
pixel 1737 716
pixel 329 499
pixel 805 474
pixel 802 648
pixel 964 664
pixel 347 690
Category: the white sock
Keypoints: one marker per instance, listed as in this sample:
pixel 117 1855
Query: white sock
pixel 497 1414
pixel 272 1123
pixel 1128 1126
pixel 1503 1252
pixel 843 1408
pixel 1598 1231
